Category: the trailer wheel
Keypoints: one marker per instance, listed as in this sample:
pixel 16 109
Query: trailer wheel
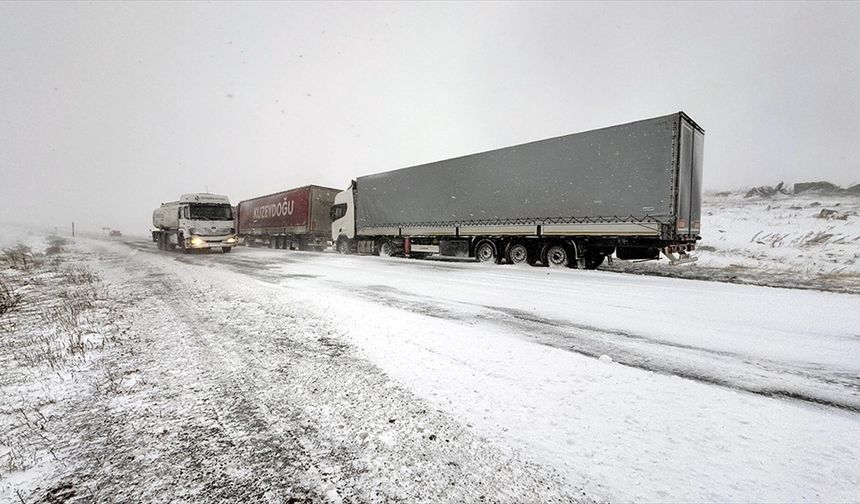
pixel 517 253
pixel 485 251
pixel 556 255
pixel 386 248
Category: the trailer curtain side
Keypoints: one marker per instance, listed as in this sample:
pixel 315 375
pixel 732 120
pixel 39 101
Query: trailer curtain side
pixel 624 173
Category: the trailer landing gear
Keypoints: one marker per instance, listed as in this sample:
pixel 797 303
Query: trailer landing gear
pixel 681 258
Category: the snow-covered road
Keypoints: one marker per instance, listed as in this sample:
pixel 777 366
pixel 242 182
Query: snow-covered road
pixel 217 388
pixel 265 375
pixel 718 391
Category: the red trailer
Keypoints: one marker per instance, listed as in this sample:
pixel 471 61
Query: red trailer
pixel 293 219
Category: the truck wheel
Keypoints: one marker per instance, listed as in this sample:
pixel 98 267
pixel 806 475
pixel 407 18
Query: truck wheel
pixel 226 249
pixel 556 256
pixel 386 249
pixel 343 246
pixel 517 253
pixel 180 239
pixel 159 242
pixel 485 251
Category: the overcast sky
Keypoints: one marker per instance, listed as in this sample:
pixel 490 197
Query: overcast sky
pixel 108 109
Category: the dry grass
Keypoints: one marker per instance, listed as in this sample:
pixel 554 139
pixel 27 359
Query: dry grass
pixel 20 257
pixel 51 318
pixel 8 297
pixel 55 245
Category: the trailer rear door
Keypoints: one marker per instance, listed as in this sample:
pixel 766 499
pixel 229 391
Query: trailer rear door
pixel 690 155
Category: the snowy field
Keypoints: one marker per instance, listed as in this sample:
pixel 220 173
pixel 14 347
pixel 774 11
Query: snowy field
pixel 807 241
pixel 268 375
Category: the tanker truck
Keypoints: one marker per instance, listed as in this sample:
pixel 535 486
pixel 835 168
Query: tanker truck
pixel 633 190
pixel 198 221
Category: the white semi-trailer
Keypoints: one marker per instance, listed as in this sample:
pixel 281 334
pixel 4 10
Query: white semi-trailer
pixel 633 190
pixel 196 222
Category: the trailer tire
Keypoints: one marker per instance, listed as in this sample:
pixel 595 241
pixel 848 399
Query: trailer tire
pixel 556 255
pixel 518 253
pixel 386 248
pixel 485 251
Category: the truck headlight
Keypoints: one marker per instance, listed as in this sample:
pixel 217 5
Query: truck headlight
pixel 231 240
pixel 196 240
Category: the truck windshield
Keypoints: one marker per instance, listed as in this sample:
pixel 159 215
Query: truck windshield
pixel 211 212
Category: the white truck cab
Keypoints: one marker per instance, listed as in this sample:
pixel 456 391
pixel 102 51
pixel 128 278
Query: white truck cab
pixel 196 221
pixel 343 219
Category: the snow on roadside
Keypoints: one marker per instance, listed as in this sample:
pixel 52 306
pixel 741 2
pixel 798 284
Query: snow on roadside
pixel 52 343
pixel 807 241
pixel 11 236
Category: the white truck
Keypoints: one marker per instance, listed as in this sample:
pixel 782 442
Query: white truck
pixel 198 221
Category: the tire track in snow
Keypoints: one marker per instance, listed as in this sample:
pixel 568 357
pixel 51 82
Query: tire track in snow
pixel 757 376
pixel 779 380
pixel 263 375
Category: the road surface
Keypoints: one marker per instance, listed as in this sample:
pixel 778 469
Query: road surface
pixel 349 378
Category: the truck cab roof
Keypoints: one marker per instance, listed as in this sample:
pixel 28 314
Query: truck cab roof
pixel 204 198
